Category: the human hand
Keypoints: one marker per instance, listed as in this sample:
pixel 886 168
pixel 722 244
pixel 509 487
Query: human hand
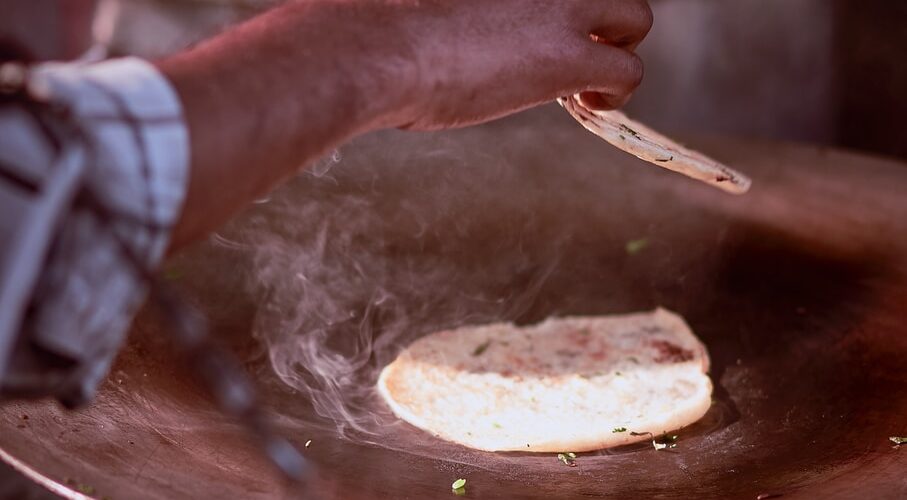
pixel 289 85
pixel 479 59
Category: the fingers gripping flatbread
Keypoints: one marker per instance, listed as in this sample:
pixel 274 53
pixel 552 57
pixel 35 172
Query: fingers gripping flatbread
pixel 578 383
pixel 647 144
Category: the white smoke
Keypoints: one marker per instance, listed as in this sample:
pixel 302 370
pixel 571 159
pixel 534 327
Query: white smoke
pixel 413 233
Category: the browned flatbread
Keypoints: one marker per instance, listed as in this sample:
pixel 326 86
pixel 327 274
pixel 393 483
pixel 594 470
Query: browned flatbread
pixel 647 144
pixel 567 384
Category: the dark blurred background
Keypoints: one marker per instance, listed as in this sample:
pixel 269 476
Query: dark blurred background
pixel 829 72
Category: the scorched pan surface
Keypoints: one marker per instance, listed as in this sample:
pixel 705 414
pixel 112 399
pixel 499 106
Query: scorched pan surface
pixel 798 289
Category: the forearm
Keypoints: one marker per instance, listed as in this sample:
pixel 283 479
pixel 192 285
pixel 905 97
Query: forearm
pixel 270 96
pixel 275 93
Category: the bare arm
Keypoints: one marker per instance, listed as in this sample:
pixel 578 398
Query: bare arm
pixel 277 92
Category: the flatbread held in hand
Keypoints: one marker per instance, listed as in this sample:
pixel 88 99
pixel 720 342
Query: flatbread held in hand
pixel 647 144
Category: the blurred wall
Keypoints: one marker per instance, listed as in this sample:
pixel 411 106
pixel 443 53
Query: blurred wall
pixel 819 71
pixel 822 71
pixel 58 34
pixel 153 28
pixel 870 56
pixel 743 67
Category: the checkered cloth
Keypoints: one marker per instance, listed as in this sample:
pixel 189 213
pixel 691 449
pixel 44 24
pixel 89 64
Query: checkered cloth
pixel 93 172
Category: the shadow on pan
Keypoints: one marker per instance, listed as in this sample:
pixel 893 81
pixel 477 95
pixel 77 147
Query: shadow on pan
pixel 775 312
pixel 386 248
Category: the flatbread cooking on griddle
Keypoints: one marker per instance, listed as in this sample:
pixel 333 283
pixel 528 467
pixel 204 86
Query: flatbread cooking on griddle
pixel 576 383
pixel 647 144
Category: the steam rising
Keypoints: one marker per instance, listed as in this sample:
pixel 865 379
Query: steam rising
pixel 351 276
pixel 362 255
